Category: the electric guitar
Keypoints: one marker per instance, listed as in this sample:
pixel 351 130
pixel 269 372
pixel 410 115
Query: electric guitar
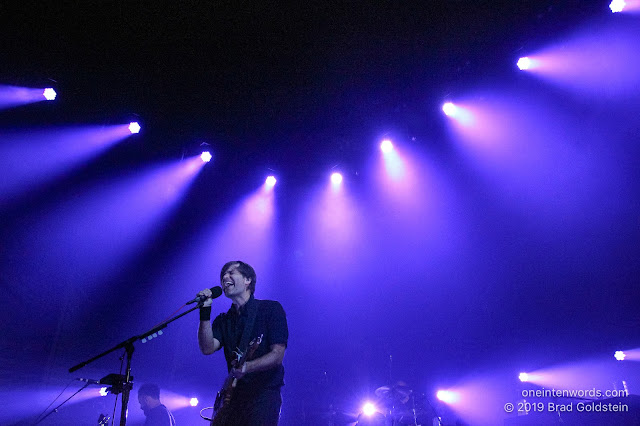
pixel 221 406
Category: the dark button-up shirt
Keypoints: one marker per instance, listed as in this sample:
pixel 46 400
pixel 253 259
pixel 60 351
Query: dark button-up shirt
pixel 270 322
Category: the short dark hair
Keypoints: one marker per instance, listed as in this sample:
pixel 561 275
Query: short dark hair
pixel 245 269
pixel 150 389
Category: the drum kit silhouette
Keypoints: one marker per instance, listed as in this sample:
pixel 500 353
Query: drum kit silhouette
pixel 395 405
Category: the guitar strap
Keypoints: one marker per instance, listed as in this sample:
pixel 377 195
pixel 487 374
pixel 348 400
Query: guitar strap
pixel 248 326
pixel 221 417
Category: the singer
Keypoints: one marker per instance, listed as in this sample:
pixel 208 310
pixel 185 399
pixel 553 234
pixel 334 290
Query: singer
pixel 256 399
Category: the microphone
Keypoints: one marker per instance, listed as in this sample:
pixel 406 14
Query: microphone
pixel 90 381
pixel 215 292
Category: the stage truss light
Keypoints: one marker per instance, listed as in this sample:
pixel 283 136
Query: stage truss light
pixel 524 377
pixel 193 402
pixel 49 94
pixel 524 63
pixel 386 146
pixel 336 178
pixel 270 181
pixel 620 355
pixel 134 127
pixel 449 109
pixel 617 6
pixel 206 156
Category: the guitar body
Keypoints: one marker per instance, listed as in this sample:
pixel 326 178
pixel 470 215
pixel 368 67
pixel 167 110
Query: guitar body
pixel 224 396
pixel 221 406
pixel 221 418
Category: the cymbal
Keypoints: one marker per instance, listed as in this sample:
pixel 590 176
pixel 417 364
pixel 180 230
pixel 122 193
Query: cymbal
pixel 396 393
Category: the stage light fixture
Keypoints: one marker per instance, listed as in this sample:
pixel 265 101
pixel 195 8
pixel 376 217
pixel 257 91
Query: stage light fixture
pixel 104 391
pixel 368 409
pixel 449 109
pixel 620 355
pixel 336 178
pixel 270 181
pixel 524 63
pixel 206 156
pixel 524 377
pixel 134 127
pixel 386 146
pixel 447 396
pixel 617 5
pixel 49 94
pixel 193 402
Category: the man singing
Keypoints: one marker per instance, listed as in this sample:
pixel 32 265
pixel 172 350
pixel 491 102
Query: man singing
pixel 256 399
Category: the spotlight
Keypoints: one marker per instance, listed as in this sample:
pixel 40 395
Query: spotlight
pixel 524 63
pixel 617 5
pixel 104 391
pixel 193 402
pixel 620 355
pixel 336 178
pixel 270 181
pixel 49 94
pixel 449 109
pixel 447 396
pixel 369 409
pixel 524 377
pixel 205 156
pixel 386 146
pixel 134 127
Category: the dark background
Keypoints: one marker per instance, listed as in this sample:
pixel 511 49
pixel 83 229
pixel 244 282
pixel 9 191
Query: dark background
pixel 493 271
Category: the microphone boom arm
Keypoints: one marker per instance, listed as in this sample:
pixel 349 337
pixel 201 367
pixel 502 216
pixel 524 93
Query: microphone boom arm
pixel 128 345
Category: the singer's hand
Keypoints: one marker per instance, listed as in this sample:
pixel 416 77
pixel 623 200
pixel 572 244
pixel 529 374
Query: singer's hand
pixel 206 293
pixel 239 373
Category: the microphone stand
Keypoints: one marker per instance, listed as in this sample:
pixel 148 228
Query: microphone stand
pixel 55 410
pixel 124 383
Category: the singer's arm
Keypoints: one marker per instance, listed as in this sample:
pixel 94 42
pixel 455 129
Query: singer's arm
pixel 208 344
pixel 269 360
pixel 278 332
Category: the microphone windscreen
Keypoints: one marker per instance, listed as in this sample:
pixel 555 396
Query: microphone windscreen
pixel 216 292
